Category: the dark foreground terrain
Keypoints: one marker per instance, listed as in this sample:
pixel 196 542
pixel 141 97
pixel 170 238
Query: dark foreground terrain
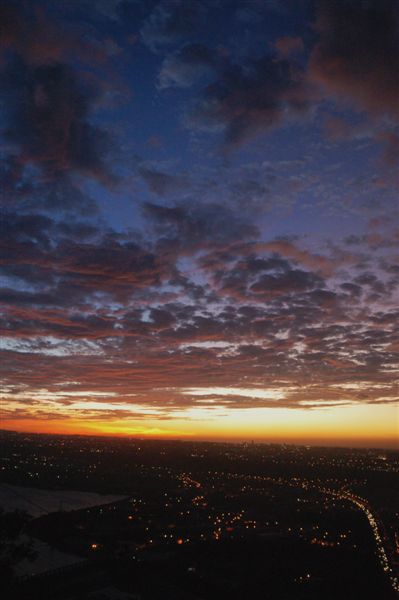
pixel 195 521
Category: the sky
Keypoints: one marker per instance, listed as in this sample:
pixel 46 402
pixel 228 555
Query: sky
pixel 200 219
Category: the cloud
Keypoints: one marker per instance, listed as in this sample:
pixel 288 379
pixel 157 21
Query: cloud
pixel 170 21
pixel 205 297
pixel 233 354
pixel 356 55
pixel 186 66
pixel 260 279
pixel 192 227
pixel 290 282
pixel 47 112
pixel 161 183
pixel 115 311
pixel 248 99
pixel 289 45
pixel 292 251
pixel 30 33
pixel 391 150
pixel 52 79
pixel 284 249
pixel 78 258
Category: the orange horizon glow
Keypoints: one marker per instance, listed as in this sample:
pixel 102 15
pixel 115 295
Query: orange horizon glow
pixel 352 425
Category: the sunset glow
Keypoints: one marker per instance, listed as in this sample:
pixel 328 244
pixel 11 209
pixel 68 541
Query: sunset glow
pixel 200 221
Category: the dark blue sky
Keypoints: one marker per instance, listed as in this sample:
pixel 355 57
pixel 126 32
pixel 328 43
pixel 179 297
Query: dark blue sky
pixel 199 196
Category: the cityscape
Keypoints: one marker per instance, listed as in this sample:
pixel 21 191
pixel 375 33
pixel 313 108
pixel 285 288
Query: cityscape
pixel 169 519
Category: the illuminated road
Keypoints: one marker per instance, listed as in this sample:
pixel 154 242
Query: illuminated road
pixel 344 495
pixel 363 505
pixel 382 554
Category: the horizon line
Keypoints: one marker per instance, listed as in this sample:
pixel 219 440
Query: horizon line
pixel 254 441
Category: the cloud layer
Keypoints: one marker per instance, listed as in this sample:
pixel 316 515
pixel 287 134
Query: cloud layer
pixel 198 208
